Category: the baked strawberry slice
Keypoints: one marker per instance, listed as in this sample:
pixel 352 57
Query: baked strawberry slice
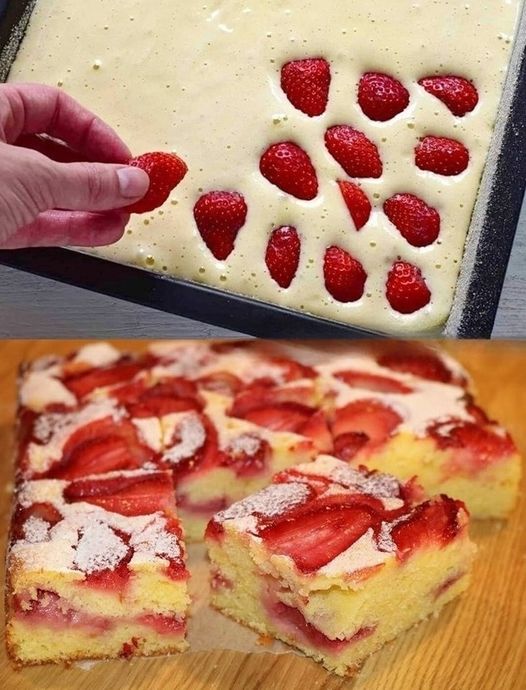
pixel 219 217
pixel 406 288
pixel 317 429
pixel 284 417
pixel 140 494
pixel 166 171
pixel 433 522
pixel 93 379
pixel 99 447
pixel 367 416
pixel 293 370
pixel 416 221
pixel 312 539
pixel 41 511
pixel 357 154
pixel 348 445
pixel 306 84
pixel 344 275
pixel 220 382
pixel 424 364
pixel 248 455
pixel 381 97
pixel 441 156
pixel 371 382
pixel 261 395
pixel 168 397
pixel 287 166
pixel 457 93
pixel 283 255
pixel 357 203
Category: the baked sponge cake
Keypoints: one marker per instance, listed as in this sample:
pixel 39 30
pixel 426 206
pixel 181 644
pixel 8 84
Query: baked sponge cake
pixel 336 561
pixel 96 569
pixel 410 412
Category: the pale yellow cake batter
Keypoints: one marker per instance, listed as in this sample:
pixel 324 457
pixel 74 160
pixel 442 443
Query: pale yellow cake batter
pixel 202 79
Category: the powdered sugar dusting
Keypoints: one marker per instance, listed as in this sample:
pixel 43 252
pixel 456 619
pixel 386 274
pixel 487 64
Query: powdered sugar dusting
pixel 189 435
pixel 276 499
pixel 38 390
pixel 36 530
pixel 154 540
pixel 378 484
pixel 248 444
pixel 99 548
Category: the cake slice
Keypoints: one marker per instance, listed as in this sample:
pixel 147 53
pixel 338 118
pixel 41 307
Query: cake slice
pixel 336 561
pixel 96 569
pixel 410 412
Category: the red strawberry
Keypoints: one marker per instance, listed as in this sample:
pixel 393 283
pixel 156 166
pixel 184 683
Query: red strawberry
pixel 98 447
pixel 284 417
pixel 318 534
pixel 346 446
pixel 417 222
pixel 306 84
pixel 441 155
pixel 381 97
pixel 283 255
pixel 357 154
pixel 317 429
pixel 248 464
pixel 85 383
pixel 372 382
pixel 368 416
pixel 424 364
pixel 219 217
pixel 166 171
pixel 357 202
pixel 457 93
pixel 139 495
pixel 344 275
pixel 406 289
pixel 434 522
pixel 484 443
pixel 289 167
pixel 221 382
pixel 292 370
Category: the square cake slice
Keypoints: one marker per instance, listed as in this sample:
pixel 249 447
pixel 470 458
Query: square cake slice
pixel 96 569
pixel 410 412
pixel 336 561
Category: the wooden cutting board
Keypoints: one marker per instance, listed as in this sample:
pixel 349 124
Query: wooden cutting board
pixel 478 643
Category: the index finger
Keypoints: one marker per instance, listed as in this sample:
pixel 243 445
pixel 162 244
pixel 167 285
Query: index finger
pixel 40 109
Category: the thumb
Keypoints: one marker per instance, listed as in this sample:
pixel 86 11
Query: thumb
pixel 95 186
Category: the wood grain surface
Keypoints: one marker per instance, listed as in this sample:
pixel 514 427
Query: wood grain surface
pixel 478 643
pixel 31 306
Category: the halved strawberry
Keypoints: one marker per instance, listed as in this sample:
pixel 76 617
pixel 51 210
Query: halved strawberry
pixel 248 456
pixel 168 397
pixel 306 84
pixel 292 369
pixel 357 203
pixel 42 511
pixel 220 382
pixel 166 171
pixel 372 382
pixel 406 288
pixel 315 537
pixel 482 444
pixel 283 255
pixel 348 445
pixel 289 167
pixel 457 93
pixel 135 495
pixel 357 154
pixel 416 221
pixel 381 97
pixel 434 522
pixel 261 395
pixel 89 381
pixel 317 429
pixel 285 417
pixel 219 217
pixel 367 416
pixel 441 156
pixel 114 580
pixel 344 275
pixel 424 364
pixel 98 447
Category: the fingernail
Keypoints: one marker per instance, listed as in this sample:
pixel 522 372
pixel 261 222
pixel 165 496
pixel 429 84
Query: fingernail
pixel 133 182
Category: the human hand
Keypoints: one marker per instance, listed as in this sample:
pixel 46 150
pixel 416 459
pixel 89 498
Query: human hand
pixel 48 203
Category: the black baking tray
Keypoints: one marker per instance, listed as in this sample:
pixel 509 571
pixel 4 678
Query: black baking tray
pixel 482 274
